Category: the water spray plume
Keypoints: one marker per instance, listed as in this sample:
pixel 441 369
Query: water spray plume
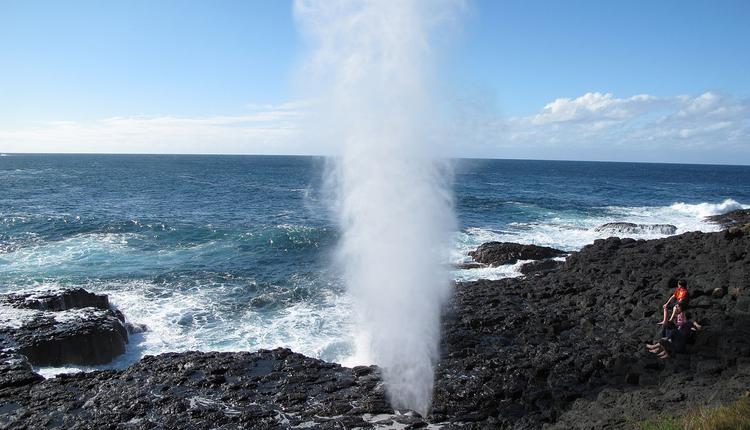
pixel 373 65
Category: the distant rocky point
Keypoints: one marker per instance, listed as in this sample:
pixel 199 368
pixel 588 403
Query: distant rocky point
pixel 500 253
pixel 632 228
pixel 736 218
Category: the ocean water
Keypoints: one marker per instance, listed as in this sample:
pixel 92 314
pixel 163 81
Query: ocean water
pixel 235 252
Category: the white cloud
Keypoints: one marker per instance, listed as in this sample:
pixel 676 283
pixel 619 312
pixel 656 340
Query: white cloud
pixel 603 107
pixel 711 127
pixel 267 129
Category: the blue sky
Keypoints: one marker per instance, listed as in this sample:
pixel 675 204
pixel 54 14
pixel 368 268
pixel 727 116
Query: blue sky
pixel 624 81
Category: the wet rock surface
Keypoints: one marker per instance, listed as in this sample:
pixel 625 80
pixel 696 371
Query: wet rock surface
pixel 631 228
pixel 561 349
pixel 471 265
pixel 499 253
pixel 57 327
pixel 734 218
pixel 265 389
pixel 15 371
pixel 56 300
pixel 540 267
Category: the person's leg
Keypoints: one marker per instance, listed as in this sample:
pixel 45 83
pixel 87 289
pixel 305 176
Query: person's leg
pixel 667 331
pixel 664 318
pixel 656 349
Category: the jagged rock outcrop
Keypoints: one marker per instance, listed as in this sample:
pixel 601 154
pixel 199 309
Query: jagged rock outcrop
pixel 632 228
pixel 499 253
pixel 57 327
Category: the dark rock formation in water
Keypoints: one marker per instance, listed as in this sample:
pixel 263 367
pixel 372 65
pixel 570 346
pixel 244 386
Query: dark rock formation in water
pixel 56 300
pixel 735 218
pixel 471 265
pixel 539 267
pixel 57 327
pixel 499 253
pixel 631 228
pixel 562 349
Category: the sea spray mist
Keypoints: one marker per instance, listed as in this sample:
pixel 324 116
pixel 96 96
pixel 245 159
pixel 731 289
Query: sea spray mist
pixel 372 66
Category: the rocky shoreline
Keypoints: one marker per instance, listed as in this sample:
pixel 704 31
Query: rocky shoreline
pixel 562 347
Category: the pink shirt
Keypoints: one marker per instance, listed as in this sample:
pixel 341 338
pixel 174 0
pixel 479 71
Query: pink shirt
pixel 681 320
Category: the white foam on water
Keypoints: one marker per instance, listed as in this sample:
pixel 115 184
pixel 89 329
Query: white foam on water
pixel 708 209
pixel 73 252
pixel 108 254
pixel 12 318
pixel 498 272
pixel 51 372
pixel 571 232
pixel 197 319
pixel 73 315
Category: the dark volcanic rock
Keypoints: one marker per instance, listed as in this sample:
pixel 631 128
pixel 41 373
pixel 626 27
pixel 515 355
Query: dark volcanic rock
pixel 542 266
pixel 15 371
pixel 568 347
pixel 465 266
pixel 56 327
pixel 499 253
pixel 631 228
pixel 734 218
pixel 266 390
pixel 56 300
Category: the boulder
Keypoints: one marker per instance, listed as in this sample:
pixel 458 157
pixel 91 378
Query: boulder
pixel 499 253
pixel 58 327
pixel 631 228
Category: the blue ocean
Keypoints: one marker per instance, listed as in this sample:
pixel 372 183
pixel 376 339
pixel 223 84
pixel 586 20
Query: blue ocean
pixel 235 252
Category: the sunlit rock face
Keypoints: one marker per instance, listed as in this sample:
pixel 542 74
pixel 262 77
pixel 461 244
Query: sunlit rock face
pixel 62 326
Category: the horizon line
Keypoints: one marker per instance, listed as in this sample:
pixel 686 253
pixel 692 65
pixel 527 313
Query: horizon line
pixel 215 154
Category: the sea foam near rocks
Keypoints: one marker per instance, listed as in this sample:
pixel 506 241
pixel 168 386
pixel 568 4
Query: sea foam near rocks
pixel 571 230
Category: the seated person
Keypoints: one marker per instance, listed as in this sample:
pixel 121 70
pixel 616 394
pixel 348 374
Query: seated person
pixel 675 334
pixel 681 295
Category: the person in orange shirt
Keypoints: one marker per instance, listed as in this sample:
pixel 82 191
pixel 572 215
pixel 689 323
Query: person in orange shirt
pixel 681 295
